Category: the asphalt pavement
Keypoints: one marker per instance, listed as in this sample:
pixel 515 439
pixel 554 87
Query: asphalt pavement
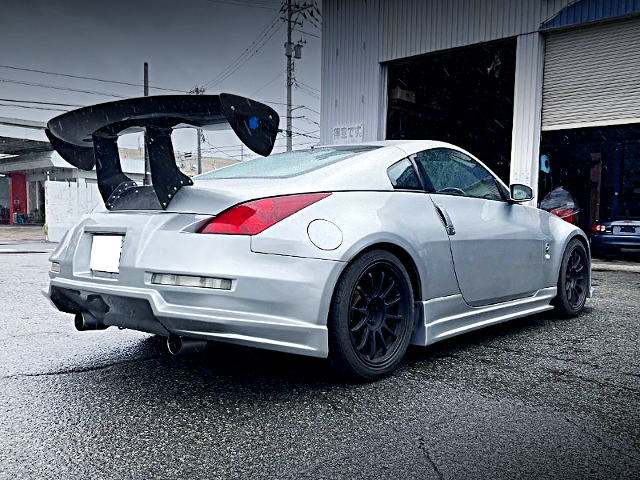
pixel 532 398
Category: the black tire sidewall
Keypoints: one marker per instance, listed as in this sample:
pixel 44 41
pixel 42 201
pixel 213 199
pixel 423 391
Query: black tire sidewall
pixel 342 353
pixel 562 303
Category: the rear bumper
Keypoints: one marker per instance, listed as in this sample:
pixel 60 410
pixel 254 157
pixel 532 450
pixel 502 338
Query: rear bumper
pixel 601 243
pixel 276 302
pixel 147 310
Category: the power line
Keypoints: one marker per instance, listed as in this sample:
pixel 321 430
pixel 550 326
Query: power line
pixel 311 93
pixel 277 103
pixel 307 90
pixel 34 108
pixel 219 150
pixel 306 33
pixel 86 78
pixel 317 25
pixel 261 35
pixel 6 80
pixel 41 103
pixel 310 133
pixel 308 86
pixel 269 83
pixel 314 21
pixel 244 53
pixel 294 106
pixel 308 120
pixel 305 135
pixel 295 144
pixel 297 133
pixel 245 60
pixel 251 4
pixel 306 108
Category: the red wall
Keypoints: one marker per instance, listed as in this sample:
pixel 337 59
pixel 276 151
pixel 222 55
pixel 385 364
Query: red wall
pixel 17 191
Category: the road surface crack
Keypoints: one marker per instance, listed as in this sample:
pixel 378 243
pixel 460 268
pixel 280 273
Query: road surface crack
pixel 600 439
pixel 423 446
pixel 22 335
pixel 80 370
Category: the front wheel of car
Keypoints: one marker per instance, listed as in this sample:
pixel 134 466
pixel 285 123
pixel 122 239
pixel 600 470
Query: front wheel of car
pixel 371 317
pixel 573 281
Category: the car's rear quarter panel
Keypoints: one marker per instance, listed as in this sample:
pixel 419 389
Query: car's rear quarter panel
pixel 405 219
pixel 558 233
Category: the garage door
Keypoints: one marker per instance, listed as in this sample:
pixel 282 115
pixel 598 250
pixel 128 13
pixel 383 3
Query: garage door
pixel 592 76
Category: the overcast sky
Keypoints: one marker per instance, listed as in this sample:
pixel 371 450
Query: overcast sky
pixel 185 42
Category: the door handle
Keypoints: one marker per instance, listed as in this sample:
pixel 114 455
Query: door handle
pixel 446 219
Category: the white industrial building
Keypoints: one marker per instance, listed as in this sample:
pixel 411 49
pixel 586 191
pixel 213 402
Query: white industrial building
pixel 509 80
pixel 42 188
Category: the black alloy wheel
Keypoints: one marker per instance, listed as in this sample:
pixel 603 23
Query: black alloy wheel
pixel 377 310
pixel 371 319
pixel 573 282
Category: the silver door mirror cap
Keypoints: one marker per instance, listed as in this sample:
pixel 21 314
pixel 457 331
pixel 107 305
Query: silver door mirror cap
pixel 520 193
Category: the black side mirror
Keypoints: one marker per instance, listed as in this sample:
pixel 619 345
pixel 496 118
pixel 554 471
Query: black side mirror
pixel 520 193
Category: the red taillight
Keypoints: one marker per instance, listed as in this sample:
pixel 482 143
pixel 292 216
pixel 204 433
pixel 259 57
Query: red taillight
pixel 253 217
pixel 598 227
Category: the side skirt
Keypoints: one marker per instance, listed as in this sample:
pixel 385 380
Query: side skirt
pixel 446 317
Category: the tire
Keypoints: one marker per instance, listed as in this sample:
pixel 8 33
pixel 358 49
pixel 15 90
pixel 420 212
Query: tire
pixel 371 317
pixel 573 280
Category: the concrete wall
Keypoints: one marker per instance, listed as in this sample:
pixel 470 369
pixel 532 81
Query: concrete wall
pixel 527 108
pixel 66 203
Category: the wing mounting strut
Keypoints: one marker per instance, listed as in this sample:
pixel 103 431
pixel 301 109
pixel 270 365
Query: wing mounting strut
pixel 88 138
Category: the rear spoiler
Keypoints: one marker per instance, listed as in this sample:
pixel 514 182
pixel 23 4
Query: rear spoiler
pixel 88 138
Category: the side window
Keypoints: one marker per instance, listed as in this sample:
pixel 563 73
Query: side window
pixel 403 176
pixel 455 173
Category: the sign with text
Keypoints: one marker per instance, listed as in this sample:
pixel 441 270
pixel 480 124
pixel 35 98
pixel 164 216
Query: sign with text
pixel 350 134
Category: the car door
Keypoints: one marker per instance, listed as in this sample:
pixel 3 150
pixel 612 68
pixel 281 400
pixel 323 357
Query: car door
pixel 497 247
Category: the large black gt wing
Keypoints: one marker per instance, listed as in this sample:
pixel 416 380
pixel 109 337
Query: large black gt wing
pixel 87 138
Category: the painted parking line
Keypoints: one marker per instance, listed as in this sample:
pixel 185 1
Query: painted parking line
pixel 7 250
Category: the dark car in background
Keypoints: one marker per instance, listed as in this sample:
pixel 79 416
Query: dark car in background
pixel 618 235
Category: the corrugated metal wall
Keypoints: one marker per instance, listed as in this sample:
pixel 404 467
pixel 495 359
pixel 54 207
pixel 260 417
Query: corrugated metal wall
pixel 415 27
pixel 358 35
pixel 592 76
pixel 352 77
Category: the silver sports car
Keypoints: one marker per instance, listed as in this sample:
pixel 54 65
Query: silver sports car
pixel 349 253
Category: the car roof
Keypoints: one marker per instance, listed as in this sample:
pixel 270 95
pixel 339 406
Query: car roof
pixel 418 144
pixel 366 170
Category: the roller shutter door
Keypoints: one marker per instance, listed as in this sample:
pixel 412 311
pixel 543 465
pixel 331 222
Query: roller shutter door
pixel 592 76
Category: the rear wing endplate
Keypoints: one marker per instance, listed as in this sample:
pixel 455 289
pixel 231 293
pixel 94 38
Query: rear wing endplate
pixel 88 138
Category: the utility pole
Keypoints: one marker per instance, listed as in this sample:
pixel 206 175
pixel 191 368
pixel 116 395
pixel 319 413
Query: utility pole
pixel 147 168
pixel 292 51
pixel 289 54
pixel 199 151
pixel 198 91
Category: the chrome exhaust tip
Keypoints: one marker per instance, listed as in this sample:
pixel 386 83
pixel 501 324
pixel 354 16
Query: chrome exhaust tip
pixel 85 321
pixel 177 344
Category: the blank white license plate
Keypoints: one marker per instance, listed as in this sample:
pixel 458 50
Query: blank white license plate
pixel 105 253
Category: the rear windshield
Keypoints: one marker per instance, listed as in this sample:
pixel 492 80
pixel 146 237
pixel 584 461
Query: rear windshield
pixel 625 211
pixel 288 164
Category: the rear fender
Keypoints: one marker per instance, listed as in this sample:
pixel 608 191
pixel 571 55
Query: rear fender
pixel 560 233
pixel 363 219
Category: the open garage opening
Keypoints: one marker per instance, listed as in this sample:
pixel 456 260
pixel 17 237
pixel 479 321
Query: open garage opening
pixel 599 167
pixel 463 96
